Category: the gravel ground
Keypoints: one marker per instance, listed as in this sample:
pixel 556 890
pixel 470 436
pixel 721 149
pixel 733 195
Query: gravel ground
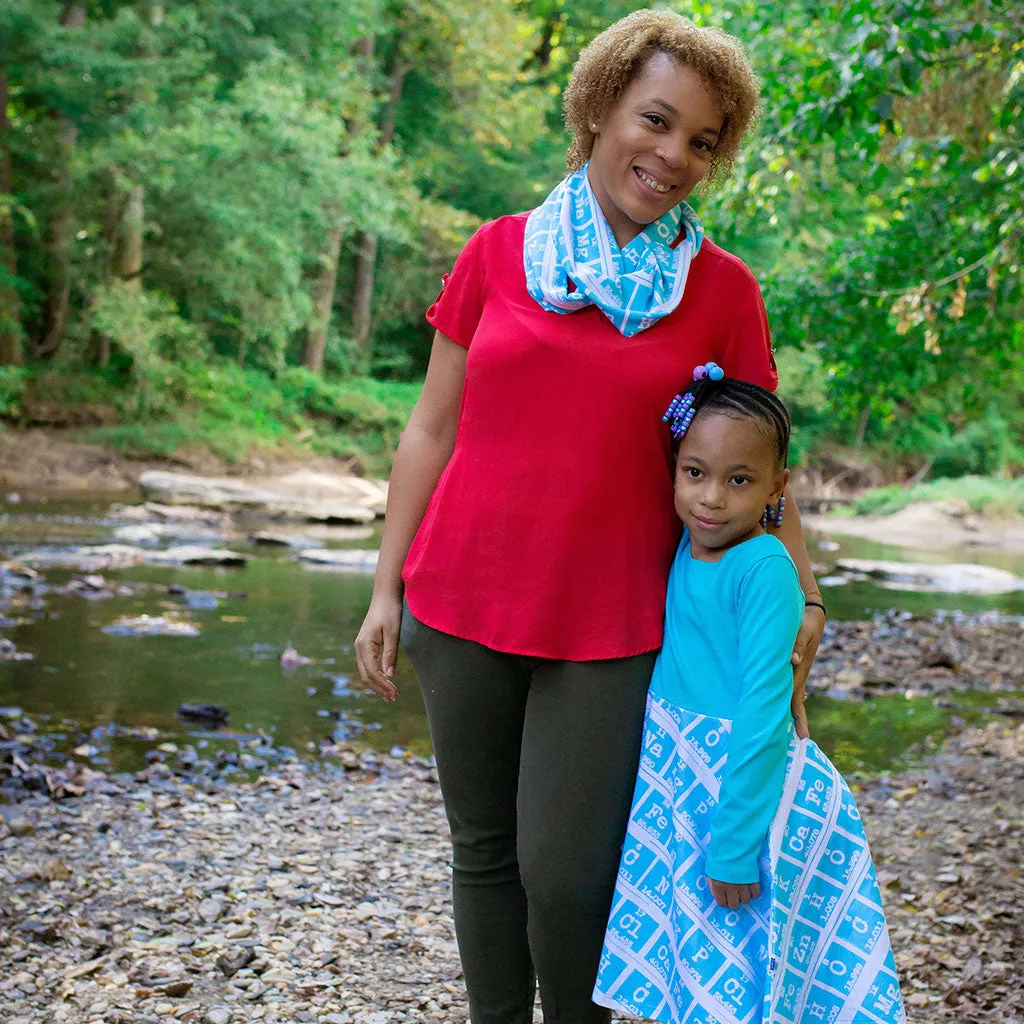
pixel 320 895
pixel 896 651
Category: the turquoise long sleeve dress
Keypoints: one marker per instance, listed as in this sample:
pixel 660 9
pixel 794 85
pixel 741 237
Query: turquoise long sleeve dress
pixel 726 790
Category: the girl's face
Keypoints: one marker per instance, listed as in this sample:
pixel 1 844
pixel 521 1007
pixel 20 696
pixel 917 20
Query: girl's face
pixel 727 470
pixel 654 145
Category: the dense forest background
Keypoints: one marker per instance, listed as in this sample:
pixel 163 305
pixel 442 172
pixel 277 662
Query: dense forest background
pixel 221 221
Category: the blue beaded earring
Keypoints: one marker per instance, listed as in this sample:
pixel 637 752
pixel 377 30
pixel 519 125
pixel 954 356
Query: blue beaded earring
pixel 773 513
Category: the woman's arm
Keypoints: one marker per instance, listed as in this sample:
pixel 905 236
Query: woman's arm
pixel 424 450
pixel 791 534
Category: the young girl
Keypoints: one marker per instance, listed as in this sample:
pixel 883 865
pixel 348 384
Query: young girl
pixel 746 892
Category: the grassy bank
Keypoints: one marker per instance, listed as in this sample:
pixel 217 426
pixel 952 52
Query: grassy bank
pixel 994 497
pixel 223 408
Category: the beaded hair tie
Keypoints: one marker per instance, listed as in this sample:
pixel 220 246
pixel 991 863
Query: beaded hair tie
pixel 679 414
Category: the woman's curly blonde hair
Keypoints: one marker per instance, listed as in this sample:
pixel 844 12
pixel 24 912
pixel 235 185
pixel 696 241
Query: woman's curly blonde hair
pixel 606 67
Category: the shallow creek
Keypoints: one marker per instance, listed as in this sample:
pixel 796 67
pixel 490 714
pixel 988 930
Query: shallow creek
pixel 113 698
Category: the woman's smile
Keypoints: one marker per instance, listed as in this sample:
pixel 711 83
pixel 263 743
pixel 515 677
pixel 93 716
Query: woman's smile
pixel 652 183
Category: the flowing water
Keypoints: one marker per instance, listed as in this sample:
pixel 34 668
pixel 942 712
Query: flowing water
pixel 83 683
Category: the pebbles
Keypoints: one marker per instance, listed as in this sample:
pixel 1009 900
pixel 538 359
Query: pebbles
pixel 947 842
pixel 323 895
pixel 899 652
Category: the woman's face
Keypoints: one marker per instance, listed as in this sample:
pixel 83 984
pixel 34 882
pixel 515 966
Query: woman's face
pixel 654 145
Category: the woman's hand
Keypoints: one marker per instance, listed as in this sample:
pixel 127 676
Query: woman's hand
pixel 804 650
pixel 377 646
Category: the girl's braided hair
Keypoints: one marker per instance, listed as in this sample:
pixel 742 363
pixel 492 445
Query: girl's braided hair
pixel 732 397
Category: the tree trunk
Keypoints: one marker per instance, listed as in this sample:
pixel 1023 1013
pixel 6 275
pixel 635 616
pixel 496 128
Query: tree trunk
pixel 323 296
pixel 11 353
pixel 362 294
pixel 73 15
pixel 366 258
pixel 57 245
pixel 541 57
pixel 126 260
pixel 59 229
pixel 126 230
pixel 862 425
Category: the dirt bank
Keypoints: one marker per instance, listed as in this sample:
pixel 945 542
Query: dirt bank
pixel 930 525
pixel 45 461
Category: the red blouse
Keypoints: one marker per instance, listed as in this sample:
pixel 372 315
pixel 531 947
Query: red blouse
pixel 552 528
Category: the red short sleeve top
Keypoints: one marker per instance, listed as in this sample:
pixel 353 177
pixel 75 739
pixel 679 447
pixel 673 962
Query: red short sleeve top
pixel 551 531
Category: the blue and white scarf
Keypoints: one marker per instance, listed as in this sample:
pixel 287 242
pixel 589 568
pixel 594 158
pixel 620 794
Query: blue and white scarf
pixel 568 238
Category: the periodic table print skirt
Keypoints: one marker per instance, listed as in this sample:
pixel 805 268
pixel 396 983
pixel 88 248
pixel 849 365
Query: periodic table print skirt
pixel 812 949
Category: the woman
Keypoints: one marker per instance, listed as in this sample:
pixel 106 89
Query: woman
pixel 530 523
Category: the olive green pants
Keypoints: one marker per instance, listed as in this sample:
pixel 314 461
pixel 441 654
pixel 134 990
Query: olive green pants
pixel 537 761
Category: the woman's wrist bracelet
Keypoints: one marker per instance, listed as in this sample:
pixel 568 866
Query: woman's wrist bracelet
pixel 816 604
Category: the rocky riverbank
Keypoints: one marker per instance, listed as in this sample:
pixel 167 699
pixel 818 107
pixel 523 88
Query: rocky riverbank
pixel 276 484
pixel 322 894
pixel 897 652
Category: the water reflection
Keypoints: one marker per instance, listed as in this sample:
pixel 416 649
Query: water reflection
pixel 92 678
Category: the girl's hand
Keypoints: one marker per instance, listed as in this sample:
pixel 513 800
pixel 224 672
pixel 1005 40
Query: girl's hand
pixel 377 646
pixel 804 650
pixel 728 895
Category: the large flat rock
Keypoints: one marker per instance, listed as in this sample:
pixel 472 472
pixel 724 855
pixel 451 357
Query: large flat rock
pixel 303 496
pixel 105 557
pixel 337 558
pixel 351 490
pixel 952 578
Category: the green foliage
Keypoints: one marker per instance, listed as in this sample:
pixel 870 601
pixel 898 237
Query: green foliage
pixel 146 327
pixel 12 387
pixel 409 277
pixel 223 408
pixel 887 176
pixel 879 205
pixel 983 494
pixel 166 440
pixel 70 388
pixel 802 389
pixel 986 446
pixel 374 405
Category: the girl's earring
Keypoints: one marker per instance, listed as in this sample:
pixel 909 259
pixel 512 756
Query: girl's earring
pixel 773 513
pixel 779 509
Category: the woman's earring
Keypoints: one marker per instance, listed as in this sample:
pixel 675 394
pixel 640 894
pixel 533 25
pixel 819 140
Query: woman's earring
pixel 593 127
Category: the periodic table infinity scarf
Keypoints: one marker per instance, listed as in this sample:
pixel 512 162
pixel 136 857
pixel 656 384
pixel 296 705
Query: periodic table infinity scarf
pixel 569 239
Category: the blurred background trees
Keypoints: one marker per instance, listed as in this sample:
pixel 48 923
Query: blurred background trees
pixel 221 221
